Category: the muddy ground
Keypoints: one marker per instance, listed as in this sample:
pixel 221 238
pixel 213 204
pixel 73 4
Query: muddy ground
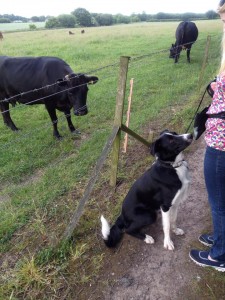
pixel 137 271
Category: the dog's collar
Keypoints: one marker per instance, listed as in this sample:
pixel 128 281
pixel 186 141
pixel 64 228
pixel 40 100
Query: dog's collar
pixel 171 164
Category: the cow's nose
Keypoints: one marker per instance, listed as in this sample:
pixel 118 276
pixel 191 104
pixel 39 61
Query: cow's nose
pixel 81 112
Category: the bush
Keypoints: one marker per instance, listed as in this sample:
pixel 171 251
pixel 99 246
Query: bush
pixel 32 27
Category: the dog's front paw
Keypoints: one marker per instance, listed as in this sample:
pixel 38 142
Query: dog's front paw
pixel 168 244
pixel 178 231
pixel 148 239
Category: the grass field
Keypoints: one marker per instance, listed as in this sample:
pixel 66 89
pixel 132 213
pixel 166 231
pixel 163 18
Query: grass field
pixel 42 180
pixel 6 27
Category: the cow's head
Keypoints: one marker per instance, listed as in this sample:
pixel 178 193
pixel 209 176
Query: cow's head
pixel 77 91
pixel 175 52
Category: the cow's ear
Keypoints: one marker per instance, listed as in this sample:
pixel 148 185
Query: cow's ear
pixel 61 82
pixel 91 79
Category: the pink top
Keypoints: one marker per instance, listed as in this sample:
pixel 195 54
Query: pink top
pixel 215 128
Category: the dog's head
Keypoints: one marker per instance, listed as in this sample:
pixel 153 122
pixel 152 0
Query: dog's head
pixel 170 144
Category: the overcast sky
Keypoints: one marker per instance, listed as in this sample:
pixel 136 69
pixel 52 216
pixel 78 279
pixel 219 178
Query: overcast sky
pixel 29 8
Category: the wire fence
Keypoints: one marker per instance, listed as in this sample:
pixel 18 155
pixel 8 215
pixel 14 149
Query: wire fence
pixel 40 157
pixel 133 61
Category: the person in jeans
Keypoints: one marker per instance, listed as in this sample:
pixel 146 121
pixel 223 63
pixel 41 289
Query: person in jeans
pixel 214 171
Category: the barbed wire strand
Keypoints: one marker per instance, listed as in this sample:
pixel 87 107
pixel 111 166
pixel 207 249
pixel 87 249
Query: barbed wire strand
pixel 92 71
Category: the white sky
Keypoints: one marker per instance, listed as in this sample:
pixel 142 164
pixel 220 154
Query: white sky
pixel 29 8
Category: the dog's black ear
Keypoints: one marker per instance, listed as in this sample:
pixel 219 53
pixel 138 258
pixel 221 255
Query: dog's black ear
pixel 166 130
pixel 154 148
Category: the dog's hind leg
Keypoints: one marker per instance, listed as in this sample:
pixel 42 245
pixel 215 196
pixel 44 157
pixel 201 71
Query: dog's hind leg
pixel 139 235
pixel 149 239
pixel 135 228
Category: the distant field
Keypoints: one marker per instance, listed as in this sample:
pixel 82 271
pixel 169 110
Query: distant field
pixel 19 26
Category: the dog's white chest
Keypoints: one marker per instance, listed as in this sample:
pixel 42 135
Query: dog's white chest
pixel 183 174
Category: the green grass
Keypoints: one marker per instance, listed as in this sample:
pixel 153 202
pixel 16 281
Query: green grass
pixel 5 27
pixel 42 179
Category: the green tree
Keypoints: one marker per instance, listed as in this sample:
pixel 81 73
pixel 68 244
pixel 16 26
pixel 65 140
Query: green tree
pixel 143 16
pixel 5 20
pixel 42 18
pixel 83 17
pixel 52 23
pixel 94 21
pixel 38 19
pixel 121 19
pixel 134 18
pixel 104 19
pixel 161 16
pixel 35 19
pixel 67 21
pixel 211 14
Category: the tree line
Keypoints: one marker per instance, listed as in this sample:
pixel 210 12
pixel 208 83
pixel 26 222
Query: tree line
pixel 81 17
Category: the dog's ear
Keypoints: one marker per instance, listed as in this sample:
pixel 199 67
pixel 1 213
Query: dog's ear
pixel 164 131
pixel 154 147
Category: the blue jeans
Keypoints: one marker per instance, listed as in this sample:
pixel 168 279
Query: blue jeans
pixel 214 171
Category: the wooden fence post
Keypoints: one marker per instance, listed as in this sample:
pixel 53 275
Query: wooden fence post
pixel 128 115
pixel 124 61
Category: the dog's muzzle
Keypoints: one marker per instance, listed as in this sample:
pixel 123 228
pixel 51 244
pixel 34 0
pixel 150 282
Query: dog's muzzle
pixel 189 137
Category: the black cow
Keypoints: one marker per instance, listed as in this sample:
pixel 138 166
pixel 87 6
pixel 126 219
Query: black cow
pixel 43 80
pixel 186 35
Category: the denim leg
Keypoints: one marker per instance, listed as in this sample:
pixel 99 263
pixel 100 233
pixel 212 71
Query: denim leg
pixel 214 171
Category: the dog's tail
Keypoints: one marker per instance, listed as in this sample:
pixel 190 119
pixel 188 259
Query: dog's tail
pixel 113 235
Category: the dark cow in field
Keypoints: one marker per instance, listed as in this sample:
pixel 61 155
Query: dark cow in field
pixel 82 31
pixel 71 33
pixel 186 35
pixel 1 35
pixel 43 80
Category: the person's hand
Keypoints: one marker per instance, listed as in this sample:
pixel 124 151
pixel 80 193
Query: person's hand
pixel 213 86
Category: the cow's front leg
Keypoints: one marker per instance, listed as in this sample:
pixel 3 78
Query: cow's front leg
pixel 188 55
pixel 4 107
pixel 177 56
pixel 53 116
pixel 69 122
pixel 168 243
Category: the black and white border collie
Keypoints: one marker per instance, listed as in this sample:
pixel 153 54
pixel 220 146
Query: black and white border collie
pixel 162 187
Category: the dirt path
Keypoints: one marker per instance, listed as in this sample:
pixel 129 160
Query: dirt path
pixel 139 271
